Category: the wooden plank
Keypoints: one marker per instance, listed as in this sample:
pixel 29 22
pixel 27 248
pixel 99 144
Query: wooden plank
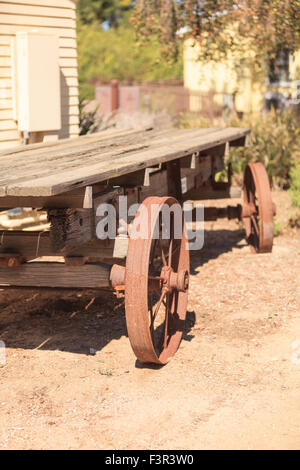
pixel 207 192
pixel 5 72
pixel 54 159
pixel 70 228
pixel 194 178
pixel 5 61
pixel 5 40
pixel 5 83
pixel 7 124
pixel 43 149
pixel 45 3
pixel 9 135
pixel 37 244
pixel 74 199
pixel 174 179
pixel 70 120
pixel 64 42
pixel 5 51
pixel 40 21
pixel 107 138
pixel 6 114
pixel 6 145
pixel 68 62
pixel 12 29
pixel 116 166
pixel 65 52
pixel 56 275
pixel 70 168
pixel 36 10
pixel 67 42
pixel 68 153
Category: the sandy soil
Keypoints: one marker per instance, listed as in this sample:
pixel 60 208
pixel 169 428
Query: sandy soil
pixel 71 379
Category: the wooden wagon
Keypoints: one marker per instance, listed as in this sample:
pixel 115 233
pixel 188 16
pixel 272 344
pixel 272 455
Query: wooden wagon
pixel 71 179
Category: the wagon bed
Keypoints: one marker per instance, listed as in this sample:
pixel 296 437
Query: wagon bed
pixel 52 169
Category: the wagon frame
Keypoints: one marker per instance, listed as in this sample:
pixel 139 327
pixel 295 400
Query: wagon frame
pixel 72 178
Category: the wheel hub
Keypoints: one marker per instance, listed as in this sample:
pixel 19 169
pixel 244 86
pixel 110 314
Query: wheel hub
pixel 174 281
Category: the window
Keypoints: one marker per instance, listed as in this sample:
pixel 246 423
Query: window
pixel 279 67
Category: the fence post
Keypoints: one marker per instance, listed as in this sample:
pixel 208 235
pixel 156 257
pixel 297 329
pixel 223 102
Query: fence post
pixel 114 95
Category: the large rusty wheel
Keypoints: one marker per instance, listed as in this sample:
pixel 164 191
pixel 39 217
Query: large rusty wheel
pixel 156 285
pixel 258 208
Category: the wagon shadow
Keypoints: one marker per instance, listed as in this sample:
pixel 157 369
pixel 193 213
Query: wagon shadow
pixel 217 242
pixel 84 322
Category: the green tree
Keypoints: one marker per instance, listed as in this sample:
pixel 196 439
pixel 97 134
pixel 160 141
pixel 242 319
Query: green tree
pixel 112 11
pixel 116 54
pixel 266 26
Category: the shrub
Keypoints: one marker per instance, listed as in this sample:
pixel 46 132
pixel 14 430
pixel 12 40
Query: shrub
pixel 295 185
pixel 274 140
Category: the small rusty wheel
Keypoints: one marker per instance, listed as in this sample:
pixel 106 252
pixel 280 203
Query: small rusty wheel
pixel 258 208
pixel 156 284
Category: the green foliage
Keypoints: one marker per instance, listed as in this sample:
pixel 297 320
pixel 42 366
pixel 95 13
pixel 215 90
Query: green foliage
pixel 277 227
pixel 295 185
pixel 115 54
pixel 274 140
pixel 266 25
pixel 113 11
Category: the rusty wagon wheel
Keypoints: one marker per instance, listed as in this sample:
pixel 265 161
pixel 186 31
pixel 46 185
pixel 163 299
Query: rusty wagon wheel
pixel 258 208
pixel 156 283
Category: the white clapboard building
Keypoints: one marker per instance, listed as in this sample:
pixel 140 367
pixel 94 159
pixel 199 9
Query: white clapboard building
pixel 38 71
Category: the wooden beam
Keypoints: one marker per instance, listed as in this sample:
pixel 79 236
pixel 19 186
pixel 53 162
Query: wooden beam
pixel 137 178
pixel 77 199
pixel 56 275
pixel 215 213
pixel 189 162
pixel 38 244
pixel 207 192
pixel 70 228
pixel 241 142
pixel 174 179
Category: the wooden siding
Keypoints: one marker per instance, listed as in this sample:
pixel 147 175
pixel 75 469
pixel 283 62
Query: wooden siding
pixel 52 16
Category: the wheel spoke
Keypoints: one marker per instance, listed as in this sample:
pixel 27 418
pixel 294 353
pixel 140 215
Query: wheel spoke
pixel 254 224
pixel 167 320
pixel 162 253
pixel 153 316
pixel 170 253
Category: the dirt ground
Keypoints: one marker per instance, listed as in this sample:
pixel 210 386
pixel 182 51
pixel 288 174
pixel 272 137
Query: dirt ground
pixel 71 380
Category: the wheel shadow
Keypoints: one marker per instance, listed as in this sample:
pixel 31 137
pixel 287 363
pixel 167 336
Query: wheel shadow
pixel 84 322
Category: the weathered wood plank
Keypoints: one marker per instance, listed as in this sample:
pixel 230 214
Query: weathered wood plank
pixel 38 244
pixel 70 228
pixel 56 275
pixel 77 199
pixel 85 153
pixel 80 171
pixel 207 192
